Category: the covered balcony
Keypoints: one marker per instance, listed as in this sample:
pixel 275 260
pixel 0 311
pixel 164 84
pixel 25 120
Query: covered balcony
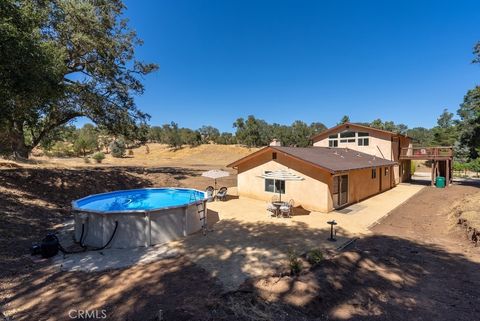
pixel 441 159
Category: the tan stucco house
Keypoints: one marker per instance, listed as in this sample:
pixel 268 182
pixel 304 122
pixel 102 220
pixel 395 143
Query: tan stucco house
pixel 349 170
pixel 377 142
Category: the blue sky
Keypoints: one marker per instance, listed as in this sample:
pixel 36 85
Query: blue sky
pixel 310 60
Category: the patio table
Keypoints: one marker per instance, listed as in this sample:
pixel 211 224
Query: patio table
pixel 277 207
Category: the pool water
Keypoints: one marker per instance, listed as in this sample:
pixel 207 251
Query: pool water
pixel 138 200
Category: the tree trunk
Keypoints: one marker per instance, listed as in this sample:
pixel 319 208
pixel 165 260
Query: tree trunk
pixel 17 141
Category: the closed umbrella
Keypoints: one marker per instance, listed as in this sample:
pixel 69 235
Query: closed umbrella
pixel 215 174
pixel 281 175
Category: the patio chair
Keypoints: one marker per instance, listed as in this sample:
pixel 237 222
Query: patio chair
pixel 210 190
pixel 271 209
pixel 287 209
pixel 222 194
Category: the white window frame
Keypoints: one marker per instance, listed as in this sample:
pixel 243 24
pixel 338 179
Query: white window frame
pixel 333 141
pixel 275 190
pixel 363 140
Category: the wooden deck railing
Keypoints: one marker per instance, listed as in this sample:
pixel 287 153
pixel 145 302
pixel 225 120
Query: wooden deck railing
pixel 426 153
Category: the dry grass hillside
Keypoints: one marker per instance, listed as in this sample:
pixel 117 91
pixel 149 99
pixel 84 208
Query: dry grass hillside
pixel 201 157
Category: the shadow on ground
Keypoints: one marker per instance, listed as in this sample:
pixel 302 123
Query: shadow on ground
pixel 380 278
pixel 140 293
pixel 235 250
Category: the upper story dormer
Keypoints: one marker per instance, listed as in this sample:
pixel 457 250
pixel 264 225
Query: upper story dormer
pixel 365 139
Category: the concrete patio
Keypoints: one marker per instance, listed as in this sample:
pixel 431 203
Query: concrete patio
pixel 353 220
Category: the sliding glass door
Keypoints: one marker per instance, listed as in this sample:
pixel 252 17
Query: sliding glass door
pixel 340 190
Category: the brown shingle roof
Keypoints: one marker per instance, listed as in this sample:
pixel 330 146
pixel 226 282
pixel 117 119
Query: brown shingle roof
pixel 335 159
pixel 331 159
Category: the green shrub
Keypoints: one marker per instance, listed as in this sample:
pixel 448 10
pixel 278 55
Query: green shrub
pixel 86 140
pixel 474 166
pixel 61 149
pixel 98 157
pixel 117 148
pixel 314 257
pixel 295 263
pixel 413 167
pixel 460 167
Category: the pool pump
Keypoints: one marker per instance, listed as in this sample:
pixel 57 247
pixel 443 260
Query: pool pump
pixel 48 247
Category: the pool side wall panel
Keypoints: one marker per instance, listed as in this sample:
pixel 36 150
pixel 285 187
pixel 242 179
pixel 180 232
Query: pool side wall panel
pixel 131 231
pixel 94 228
pixel 139 228
pixel 167 225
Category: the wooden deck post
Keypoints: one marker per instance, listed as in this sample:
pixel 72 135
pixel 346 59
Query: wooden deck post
pixel 433 172
pixel 447 172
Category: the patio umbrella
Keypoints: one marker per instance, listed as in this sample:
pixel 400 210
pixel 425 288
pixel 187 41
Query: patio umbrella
pixel 281 175
pixel 215 174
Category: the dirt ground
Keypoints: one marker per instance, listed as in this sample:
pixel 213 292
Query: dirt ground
pixel 418 265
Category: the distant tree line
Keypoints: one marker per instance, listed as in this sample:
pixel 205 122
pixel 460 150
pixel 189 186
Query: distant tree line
pixel 175 136
pixel 250 131
pixel 254 132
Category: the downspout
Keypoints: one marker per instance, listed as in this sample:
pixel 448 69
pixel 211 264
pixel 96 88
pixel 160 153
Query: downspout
pixel 400 164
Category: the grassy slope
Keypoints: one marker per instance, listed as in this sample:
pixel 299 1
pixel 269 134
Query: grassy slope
pixel 203 156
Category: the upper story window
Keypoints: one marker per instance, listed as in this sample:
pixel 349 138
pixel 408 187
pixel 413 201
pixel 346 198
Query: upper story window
pixel 347 134
pixel 333 140
pixel 360 138
pixel 363 139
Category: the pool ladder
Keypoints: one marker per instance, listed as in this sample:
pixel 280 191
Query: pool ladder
pixel 201 211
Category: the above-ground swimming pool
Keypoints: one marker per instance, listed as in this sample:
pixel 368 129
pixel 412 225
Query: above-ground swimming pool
pixel 138 217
